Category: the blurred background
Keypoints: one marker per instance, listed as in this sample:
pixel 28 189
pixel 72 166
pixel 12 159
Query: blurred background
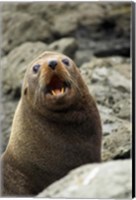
pixel 97 37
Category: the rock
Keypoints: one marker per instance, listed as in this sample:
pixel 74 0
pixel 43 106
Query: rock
pixel 14 65
pixel 122 108
pixel 111 61
pixel 108 49
pixel 100 74
pixel 112 78
pixel 22 27
pixel 124 68
pixel 75 18
pixel 108 96
pixel 117 132
pixel 117 144
pixel 64 26
pixel 109 122
pixel 118 81
pixel 108 84
pixel 107 180
pixel 7 113
pixel 117 63
pixel 82 57
pixel 66 46
pixel 104 31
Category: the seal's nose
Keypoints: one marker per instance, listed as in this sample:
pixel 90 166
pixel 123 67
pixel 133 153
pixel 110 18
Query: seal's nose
pixel 52 64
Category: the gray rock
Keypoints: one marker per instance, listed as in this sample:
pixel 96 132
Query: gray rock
pixel 124 67
pixel 22 27
pixel 83 56
pixel 7 113
pixel 117 62
pixel 104 31
pixel 106 180
pixel 15 63
pixel 107 96
pixel 65 25
pixel 122 108
pixel 107 83
pixel 116 141
pixel 112 78
pixel 117 144
pixel 66 46
pixel 74 16
pixel 100 74
pixel 118 81
pixel 109 122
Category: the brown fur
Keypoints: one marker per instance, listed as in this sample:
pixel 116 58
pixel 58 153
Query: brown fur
pixel 50 135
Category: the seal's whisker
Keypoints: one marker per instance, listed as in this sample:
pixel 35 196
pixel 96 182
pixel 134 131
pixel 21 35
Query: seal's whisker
pixel 75 85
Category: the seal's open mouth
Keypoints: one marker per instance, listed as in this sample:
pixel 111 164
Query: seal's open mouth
pixel 57 86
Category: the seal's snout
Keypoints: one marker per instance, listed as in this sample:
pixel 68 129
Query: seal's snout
pixel 52 64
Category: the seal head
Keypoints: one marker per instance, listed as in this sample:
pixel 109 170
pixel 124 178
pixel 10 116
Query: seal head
pixel 52 84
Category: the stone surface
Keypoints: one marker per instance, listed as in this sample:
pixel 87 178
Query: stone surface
pixel 106 180
pixel 7 113
pixel 104 31
pixel 117 144
pixel 122 109
pixel 118 81
pixel 66 46
pixel 22 27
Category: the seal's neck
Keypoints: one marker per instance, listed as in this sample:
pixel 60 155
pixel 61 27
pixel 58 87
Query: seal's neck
pixel 74 114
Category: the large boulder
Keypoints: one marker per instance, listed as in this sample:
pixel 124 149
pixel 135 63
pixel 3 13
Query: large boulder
pixel 100 29
pixel 22 27
pixel 67 46
pixel 107 180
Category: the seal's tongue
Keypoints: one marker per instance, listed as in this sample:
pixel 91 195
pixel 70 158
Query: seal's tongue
pixel 56 86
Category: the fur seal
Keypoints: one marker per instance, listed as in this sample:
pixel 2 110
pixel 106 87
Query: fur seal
pixel 56 127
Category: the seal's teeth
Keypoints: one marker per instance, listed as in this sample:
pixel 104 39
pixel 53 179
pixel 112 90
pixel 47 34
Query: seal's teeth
pixel 62 90
pixel 53 92
pixel 57 91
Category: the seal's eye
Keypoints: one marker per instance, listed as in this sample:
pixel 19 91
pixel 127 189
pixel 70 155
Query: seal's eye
pixel 65 61
pixel 36 68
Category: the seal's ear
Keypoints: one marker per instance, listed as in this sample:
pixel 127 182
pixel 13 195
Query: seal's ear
pixel 24 88
pixel 25 91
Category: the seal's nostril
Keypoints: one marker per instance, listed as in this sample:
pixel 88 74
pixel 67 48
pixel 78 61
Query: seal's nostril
pixel 52 64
